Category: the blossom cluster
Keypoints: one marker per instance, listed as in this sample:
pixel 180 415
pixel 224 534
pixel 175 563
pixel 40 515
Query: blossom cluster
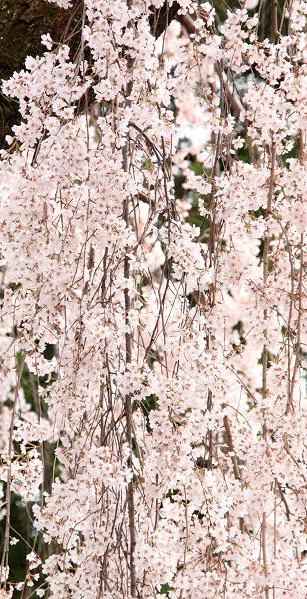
pixel 174 392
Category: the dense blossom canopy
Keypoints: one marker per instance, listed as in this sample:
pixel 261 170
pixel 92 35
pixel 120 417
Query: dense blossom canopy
pixel 153 293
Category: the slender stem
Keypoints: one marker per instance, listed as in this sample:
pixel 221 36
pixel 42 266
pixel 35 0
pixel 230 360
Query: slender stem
pixel 128 406
pixel 266 243
pixel 6 544
pixel 298 335
pixel 264 553
pixel 128 358
pixel 231 448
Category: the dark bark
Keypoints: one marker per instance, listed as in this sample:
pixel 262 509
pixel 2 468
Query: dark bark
pixel 162 17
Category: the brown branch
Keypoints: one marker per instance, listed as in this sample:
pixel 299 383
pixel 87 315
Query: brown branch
pixel 264 551
pixel 266 243
pixel 231 448
pixel 128 359
pixel 282 495
pixel 275 33
pixel 232 96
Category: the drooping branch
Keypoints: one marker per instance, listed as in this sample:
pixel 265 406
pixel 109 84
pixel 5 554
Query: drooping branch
pixel 231 94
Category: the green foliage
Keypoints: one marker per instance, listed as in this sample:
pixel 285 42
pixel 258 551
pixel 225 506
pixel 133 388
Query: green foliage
pixel 196 167
pixel 243 153
pixel 21 524
pixel 148 404
pixel 21 530
pixel 171 493
pixel 164 589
